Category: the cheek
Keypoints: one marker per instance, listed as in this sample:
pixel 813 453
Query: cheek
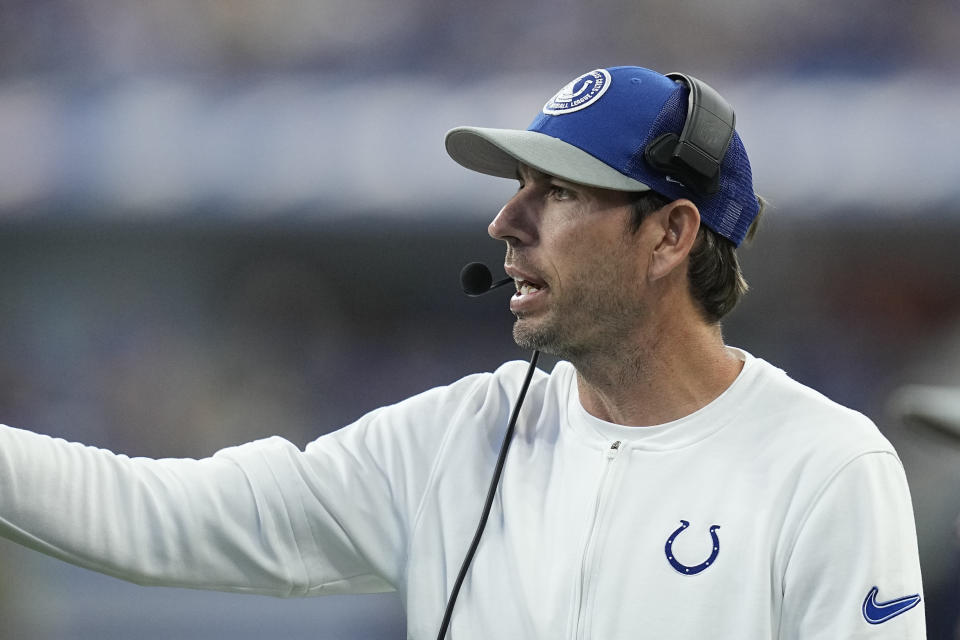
pixel 586 260
pixel 572 252
pixel 587 252
pixel 623 269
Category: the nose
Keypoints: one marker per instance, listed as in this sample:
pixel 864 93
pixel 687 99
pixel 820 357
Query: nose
pixel 515 224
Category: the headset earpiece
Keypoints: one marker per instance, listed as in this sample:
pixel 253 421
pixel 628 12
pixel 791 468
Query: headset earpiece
pixel 694 157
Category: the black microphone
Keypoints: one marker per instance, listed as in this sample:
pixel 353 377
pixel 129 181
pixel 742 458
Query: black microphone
pixel 476 279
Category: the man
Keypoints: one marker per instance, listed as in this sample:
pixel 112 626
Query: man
pixel 660 484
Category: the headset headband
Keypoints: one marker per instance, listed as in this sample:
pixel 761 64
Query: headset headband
pixel 695 156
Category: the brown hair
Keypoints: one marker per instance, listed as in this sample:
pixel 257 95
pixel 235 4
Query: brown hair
pixel 716 281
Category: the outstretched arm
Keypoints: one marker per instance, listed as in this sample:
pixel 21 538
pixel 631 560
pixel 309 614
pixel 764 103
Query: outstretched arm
pixel 210 523
pixel 264 517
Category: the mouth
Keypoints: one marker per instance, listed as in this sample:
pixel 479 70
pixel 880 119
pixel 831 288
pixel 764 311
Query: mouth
pixel 525 287
pixel 530 297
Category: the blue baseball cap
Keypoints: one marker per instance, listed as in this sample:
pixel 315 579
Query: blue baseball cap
pixel 595 131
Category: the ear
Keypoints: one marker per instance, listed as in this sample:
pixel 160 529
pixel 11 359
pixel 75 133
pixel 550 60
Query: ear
pixel 677 225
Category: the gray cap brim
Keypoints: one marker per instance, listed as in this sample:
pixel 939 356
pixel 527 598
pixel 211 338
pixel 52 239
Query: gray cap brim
pixel 496 152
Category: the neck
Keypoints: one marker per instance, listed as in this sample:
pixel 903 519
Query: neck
pixel 659 375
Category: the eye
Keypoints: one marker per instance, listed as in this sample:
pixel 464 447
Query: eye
pixel 560 193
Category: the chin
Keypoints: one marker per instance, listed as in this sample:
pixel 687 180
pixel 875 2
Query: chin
pixel 528 335
pixel 542 337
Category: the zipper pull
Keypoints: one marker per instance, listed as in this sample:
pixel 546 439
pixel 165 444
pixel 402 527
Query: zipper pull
pixel 612 451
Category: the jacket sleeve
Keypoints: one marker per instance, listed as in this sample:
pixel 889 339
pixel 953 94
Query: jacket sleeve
pixel 854 570
pixel 264 517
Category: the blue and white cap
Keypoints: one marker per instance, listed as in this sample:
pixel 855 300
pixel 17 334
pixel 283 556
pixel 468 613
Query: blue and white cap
pixel 595 130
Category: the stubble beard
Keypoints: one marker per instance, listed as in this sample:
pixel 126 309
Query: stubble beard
pixel 593 325
pixel 546 338
pixel 590 320
pixel 571 334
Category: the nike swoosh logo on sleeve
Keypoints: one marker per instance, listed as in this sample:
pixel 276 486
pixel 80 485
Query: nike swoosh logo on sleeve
pixel 876 612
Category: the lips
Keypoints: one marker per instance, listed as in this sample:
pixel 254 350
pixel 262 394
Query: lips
pixel 523 278
pixel 530 289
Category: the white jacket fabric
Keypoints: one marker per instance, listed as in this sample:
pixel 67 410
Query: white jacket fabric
pixel 771 513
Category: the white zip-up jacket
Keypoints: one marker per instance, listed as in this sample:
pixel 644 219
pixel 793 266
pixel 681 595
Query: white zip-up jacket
pixel 771 513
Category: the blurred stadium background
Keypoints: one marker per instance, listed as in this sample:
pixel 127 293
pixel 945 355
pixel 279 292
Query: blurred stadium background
pixel 221 220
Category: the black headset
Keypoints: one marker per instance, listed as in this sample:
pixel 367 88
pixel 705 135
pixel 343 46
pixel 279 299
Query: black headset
pixel 694 157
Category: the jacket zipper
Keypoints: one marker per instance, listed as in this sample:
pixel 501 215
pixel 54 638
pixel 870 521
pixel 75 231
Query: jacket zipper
pixel 585 563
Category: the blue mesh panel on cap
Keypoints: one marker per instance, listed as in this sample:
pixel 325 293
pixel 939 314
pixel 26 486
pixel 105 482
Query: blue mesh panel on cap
pixel 739 204
pixel 671 118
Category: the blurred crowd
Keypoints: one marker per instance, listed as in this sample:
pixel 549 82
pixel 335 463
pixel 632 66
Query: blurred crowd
pixel 325 109
pixel 106 39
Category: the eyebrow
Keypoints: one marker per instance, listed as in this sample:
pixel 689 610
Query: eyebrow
pixel 535 173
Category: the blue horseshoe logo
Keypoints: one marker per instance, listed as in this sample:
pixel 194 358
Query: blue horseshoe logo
pixel 682 568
